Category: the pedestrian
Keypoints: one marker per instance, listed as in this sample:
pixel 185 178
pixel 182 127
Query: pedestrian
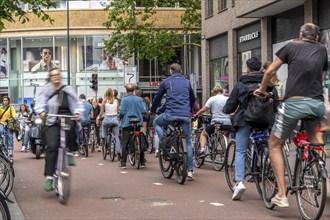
pixel 131 107
pixel 307 61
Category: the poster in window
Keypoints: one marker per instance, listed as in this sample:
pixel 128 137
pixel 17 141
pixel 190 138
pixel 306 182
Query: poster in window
pixel 40 59
pixel 3 63
pixel 245 56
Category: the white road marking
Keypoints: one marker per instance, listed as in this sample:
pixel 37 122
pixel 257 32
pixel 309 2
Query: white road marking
pixel 216 204
pixel 158 184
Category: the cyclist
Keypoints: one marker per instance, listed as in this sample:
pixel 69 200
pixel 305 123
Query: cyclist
pixel 6 113
pixel 180 100
pixel 130 107
pixel 86 114
pixel 96 112
pixel 235 104
pixel 215 104
pixel 109 109
pixel 307 63
pixel 23 118
pixel 56 98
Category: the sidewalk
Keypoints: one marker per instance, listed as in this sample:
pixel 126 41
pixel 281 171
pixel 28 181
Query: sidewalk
pixel 14 209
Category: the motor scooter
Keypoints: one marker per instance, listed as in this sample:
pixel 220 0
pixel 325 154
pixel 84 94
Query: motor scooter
pixel 36 145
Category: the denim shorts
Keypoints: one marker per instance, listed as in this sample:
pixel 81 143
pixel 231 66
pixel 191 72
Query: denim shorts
pixel 309 110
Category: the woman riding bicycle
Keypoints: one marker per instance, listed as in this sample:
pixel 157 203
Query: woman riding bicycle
pixel 6 112
pixel 109 109
pixel 24 133
pixel 56 99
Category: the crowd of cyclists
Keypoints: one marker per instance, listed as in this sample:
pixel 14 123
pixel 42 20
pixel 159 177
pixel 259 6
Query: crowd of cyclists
pixel 307 63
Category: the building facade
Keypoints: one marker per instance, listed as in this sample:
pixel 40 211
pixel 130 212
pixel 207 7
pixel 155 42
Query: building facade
pixel 75 45
pixel 235 30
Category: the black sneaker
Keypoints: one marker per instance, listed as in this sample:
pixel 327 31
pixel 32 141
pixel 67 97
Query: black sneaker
pixel 143 165
pixel 201 154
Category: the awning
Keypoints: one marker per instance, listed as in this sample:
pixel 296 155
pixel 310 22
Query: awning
pixel 272 8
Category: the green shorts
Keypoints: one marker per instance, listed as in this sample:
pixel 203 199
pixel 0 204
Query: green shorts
pixel 309 110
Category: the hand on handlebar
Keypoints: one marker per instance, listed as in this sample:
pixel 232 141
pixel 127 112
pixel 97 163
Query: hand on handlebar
pixel 261 94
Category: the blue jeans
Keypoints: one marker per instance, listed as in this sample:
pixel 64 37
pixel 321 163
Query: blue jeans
pixel 242 142
pixel 163 120
pixel 115 130
pixel 10 137
pixel 27 135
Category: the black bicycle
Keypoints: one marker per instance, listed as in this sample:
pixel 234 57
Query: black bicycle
pixel 307 182
pixel 253 165
pixel 4 210
pixel 109 147
pixel 166 162
pixel 83 147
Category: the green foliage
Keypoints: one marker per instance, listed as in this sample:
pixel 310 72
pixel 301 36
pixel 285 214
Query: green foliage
pixel 135 30
pixel 11 8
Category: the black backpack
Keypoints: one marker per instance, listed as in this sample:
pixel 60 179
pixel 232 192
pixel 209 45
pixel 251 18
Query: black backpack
pixel 170 145
pixel 257 109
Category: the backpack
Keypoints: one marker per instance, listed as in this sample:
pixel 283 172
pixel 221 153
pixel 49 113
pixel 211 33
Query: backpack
pixel 170 145
pixel 257 109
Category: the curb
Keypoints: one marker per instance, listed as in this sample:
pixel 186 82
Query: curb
pixel 14 209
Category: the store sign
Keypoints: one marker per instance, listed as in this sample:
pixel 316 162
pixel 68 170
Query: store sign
pixel 249 37
pixel 154 83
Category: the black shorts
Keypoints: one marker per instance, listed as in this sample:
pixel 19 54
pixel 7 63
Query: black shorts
pixel 211 128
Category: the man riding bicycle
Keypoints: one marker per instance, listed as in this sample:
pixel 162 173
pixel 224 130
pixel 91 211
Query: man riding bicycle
pixel 307 63
pixel 86 114
pixel 180 100
pixel 215 104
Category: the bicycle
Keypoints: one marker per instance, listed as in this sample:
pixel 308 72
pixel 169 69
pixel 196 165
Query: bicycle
pixel 62 175
pixel 92 137
pixel 135 144
pixel 108 148
pixel 179 165
pixel 215 146
pixel 7 172
pixel 83 147
pixel 150 139
pixel 4 210
pixel 253 165
pixel 307 182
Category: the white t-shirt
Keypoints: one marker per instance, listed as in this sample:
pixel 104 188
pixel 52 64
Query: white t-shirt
pixel 216 103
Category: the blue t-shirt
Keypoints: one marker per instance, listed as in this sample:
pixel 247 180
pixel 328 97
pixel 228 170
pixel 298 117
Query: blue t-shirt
pixel 85 114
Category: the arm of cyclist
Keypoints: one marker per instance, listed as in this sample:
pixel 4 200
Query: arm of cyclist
pixel 201 111
pixel 232 102
pixel 158 98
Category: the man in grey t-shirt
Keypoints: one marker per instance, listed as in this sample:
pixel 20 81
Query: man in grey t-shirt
pixel 215 104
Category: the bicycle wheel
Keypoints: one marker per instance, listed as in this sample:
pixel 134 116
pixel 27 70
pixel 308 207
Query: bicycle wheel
pixel 6 176
pixel 198 159
pixel 111 148
pixel 150 140
pixel 165 166
pixel 230 164
pixel 4 210
pixel 181 164
pixel 137 153
pixel 104 148
pixel 268 180
pixel 257 166
pixel 92 141
pixel 312 190
pixel 218 152
pixel 64 181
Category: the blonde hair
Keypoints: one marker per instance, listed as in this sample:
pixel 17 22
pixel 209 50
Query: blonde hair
pixel 108 96
pixel 217 89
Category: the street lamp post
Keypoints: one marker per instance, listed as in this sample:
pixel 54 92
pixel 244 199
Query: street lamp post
pixel 68 37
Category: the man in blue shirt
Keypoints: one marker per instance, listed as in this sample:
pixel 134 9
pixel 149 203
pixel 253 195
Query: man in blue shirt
pixel 131 106
pixel 180 100
pixel 87 113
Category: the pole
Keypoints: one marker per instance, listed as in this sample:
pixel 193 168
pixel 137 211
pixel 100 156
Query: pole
pixel 68 37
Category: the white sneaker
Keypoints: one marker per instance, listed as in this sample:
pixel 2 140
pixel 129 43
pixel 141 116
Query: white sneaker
pixel 190 175
pixel 156 153
pixel 23 149
pixel 238 191
pixel 10 153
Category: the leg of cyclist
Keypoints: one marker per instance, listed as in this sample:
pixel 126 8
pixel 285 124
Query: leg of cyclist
pixel 242 141
pixel 115 131
pixel 26 138
pixel 50 136
pixel 125 140
pixel 71 141
pixel 10 142
pixel 204 136
pixel 104 125
pixel 186 126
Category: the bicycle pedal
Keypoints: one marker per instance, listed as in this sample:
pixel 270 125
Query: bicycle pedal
pixel 64 174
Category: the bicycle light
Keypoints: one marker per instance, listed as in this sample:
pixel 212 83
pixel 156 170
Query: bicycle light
pixel 38 121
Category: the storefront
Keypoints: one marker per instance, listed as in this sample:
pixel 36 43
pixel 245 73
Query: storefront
pixel 219 62
pixel 248 45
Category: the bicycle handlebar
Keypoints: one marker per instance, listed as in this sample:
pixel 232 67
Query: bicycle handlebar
pixel 61 116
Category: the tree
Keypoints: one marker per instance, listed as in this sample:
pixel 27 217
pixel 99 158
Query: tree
pixel 9 9
pixel 136 30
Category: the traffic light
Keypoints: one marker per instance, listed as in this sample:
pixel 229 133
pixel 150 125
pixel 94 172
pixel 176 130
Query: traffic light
pixel 94 82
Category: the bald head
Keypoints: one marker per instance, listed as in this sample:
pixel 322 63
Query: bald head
pixel 130 87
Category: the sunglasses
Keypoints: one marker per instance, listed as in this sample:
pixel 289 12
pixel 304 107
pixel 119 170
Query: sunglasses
pixel 45 53
pixel 55 74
